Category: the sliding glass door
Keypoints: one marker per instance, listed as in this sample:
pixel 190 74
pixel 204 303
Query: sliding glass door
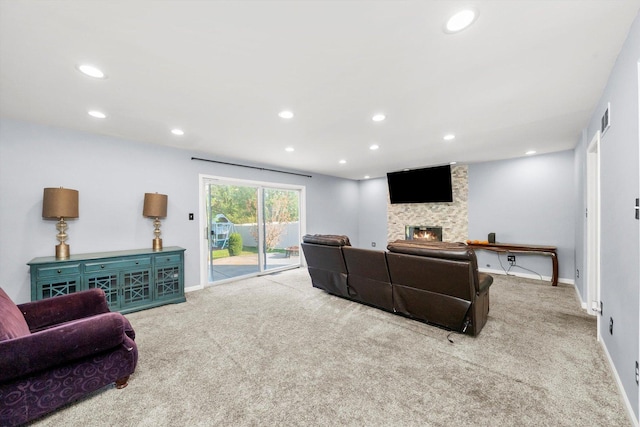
pixel 249 228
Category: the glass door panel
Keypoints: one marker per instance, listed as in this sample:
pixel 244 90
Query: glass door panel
pixel 232 214
pixel 281 227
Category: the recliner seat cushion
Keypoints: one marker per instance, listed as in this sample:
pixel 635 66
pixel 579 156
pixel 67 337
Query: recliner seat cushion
pixel 12 323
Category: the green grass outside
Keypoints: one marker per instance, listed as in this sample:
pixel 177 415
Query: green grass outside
pixel 246 250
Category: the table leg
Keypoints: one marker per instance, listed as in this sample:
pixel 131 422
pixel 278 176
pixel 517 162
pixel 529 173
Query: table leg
pixel 554 277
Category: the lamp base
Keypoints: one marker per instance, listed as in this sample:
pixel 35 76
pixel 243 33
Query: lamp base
pixel 62 251
pixel 157 244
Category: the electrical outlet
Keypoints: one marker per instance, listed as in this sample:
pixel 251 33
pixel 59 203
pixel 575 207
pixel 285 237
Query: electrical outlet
pixel 577 273
pixel 601 308
pixel 190 217
pixel 511 259
pixel 373 244
pixel 611 325
pixel 637 374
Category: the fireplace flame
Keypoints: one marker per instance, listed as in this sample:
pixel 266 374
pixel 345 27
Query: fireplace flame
pixel 424 234
pixel 432 234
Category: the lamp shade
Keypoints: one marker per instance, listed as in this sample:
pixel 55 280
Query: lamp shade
pixel 60 203
pixel 155 205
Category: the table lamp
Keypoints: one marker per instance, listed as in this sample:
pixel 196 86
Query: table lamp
pixel 155 206
pixel 60 203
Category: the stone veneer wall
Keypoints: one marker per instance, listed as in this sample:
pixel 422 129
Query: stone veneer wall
pixel 452 217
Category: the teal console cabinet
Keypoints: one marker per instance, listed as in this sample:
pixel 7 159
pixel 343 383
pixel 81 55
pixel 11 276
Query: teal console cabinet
pixel 132 280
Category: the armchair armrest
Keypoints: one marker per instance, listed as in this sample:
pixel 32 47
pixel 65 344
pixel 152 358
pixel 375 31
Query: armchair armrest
pixel 48 312
pixel 61 344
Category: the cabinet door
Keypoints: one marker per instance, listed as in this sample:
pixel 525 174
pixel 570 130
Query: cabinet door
pixel 62 285
pixel 168 283
pixel 135 287
pixel 108 282
pixel 52 280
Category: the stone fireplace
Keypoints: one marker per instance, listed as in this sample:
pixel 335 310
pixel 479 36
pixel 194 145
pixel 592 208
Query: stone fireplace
pixel 422 232
pixel 452 217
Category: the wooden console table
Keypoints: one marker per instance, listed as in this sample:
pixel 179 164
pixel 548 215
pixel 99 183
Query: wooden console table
pixel 515 248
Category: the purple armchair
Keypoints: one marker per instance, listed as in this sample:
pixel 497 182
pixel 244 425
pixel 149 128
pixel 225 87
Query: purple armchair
pixel 57 350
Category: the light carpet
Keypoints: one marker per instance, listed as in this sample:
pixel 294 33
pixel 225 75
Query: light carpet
pixel 273 350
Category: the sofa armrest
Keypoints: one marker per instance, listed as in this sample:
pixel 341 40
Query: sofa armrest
pixel 48 312
pixel 443 251
pixel 61 344
pixel 327 239
pixel 484 281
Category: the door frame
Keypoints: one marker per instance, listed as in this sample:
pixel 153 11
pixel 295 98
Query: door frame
pixel 593 214
pixel 638 118
pixel 203 226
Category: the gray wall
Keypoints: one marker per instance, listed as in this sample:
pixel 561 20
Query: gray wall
pixel 620 231
pixel 332 207
pixel 372 213
pixel 112 176
pixel 528 200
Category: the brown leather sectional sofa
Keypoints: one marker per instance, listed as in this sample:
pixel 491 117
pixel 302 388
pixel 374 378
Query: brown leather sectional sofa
pixel 437 283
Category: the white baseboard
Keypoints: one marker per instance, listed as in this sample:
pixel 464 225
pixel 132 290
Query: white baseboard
pixel 525 275
pixel 193 288
pixel 625 398
pixel 583 304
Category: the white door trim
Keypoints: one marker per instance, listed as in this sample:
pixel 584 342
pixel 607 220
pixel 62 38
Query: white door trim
pixel 593 227
pixel 638 359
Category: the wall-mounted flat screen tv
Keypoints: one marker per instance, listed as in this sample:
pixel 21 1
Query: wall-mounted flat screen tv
pixel 427 185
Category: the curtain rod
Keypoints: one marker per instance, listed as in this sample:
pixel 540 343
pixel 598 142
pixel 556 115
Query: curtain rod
pixel 251 167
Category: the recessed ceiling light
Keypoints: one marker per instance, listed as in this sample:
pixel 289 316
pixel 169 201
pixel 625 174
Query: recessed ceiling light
pixel 286 114
pixel 177 131
pixel 91 71
pixel 452 163
pixel 374 147
pixel 378 117
pixel 449 137
pixel 530 152
pixel 460 21
pixel 289 149
pixel 366 177
pixel 97 114
pixel 342 162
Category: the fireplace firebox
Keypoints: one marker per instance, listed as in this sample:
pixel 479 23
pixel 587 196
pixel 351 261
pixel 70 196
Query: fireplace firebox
pixel 422 232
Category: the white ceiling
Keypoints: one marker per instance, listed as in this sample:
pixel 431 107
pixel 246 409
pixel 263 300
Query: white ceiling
pixel 526 76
